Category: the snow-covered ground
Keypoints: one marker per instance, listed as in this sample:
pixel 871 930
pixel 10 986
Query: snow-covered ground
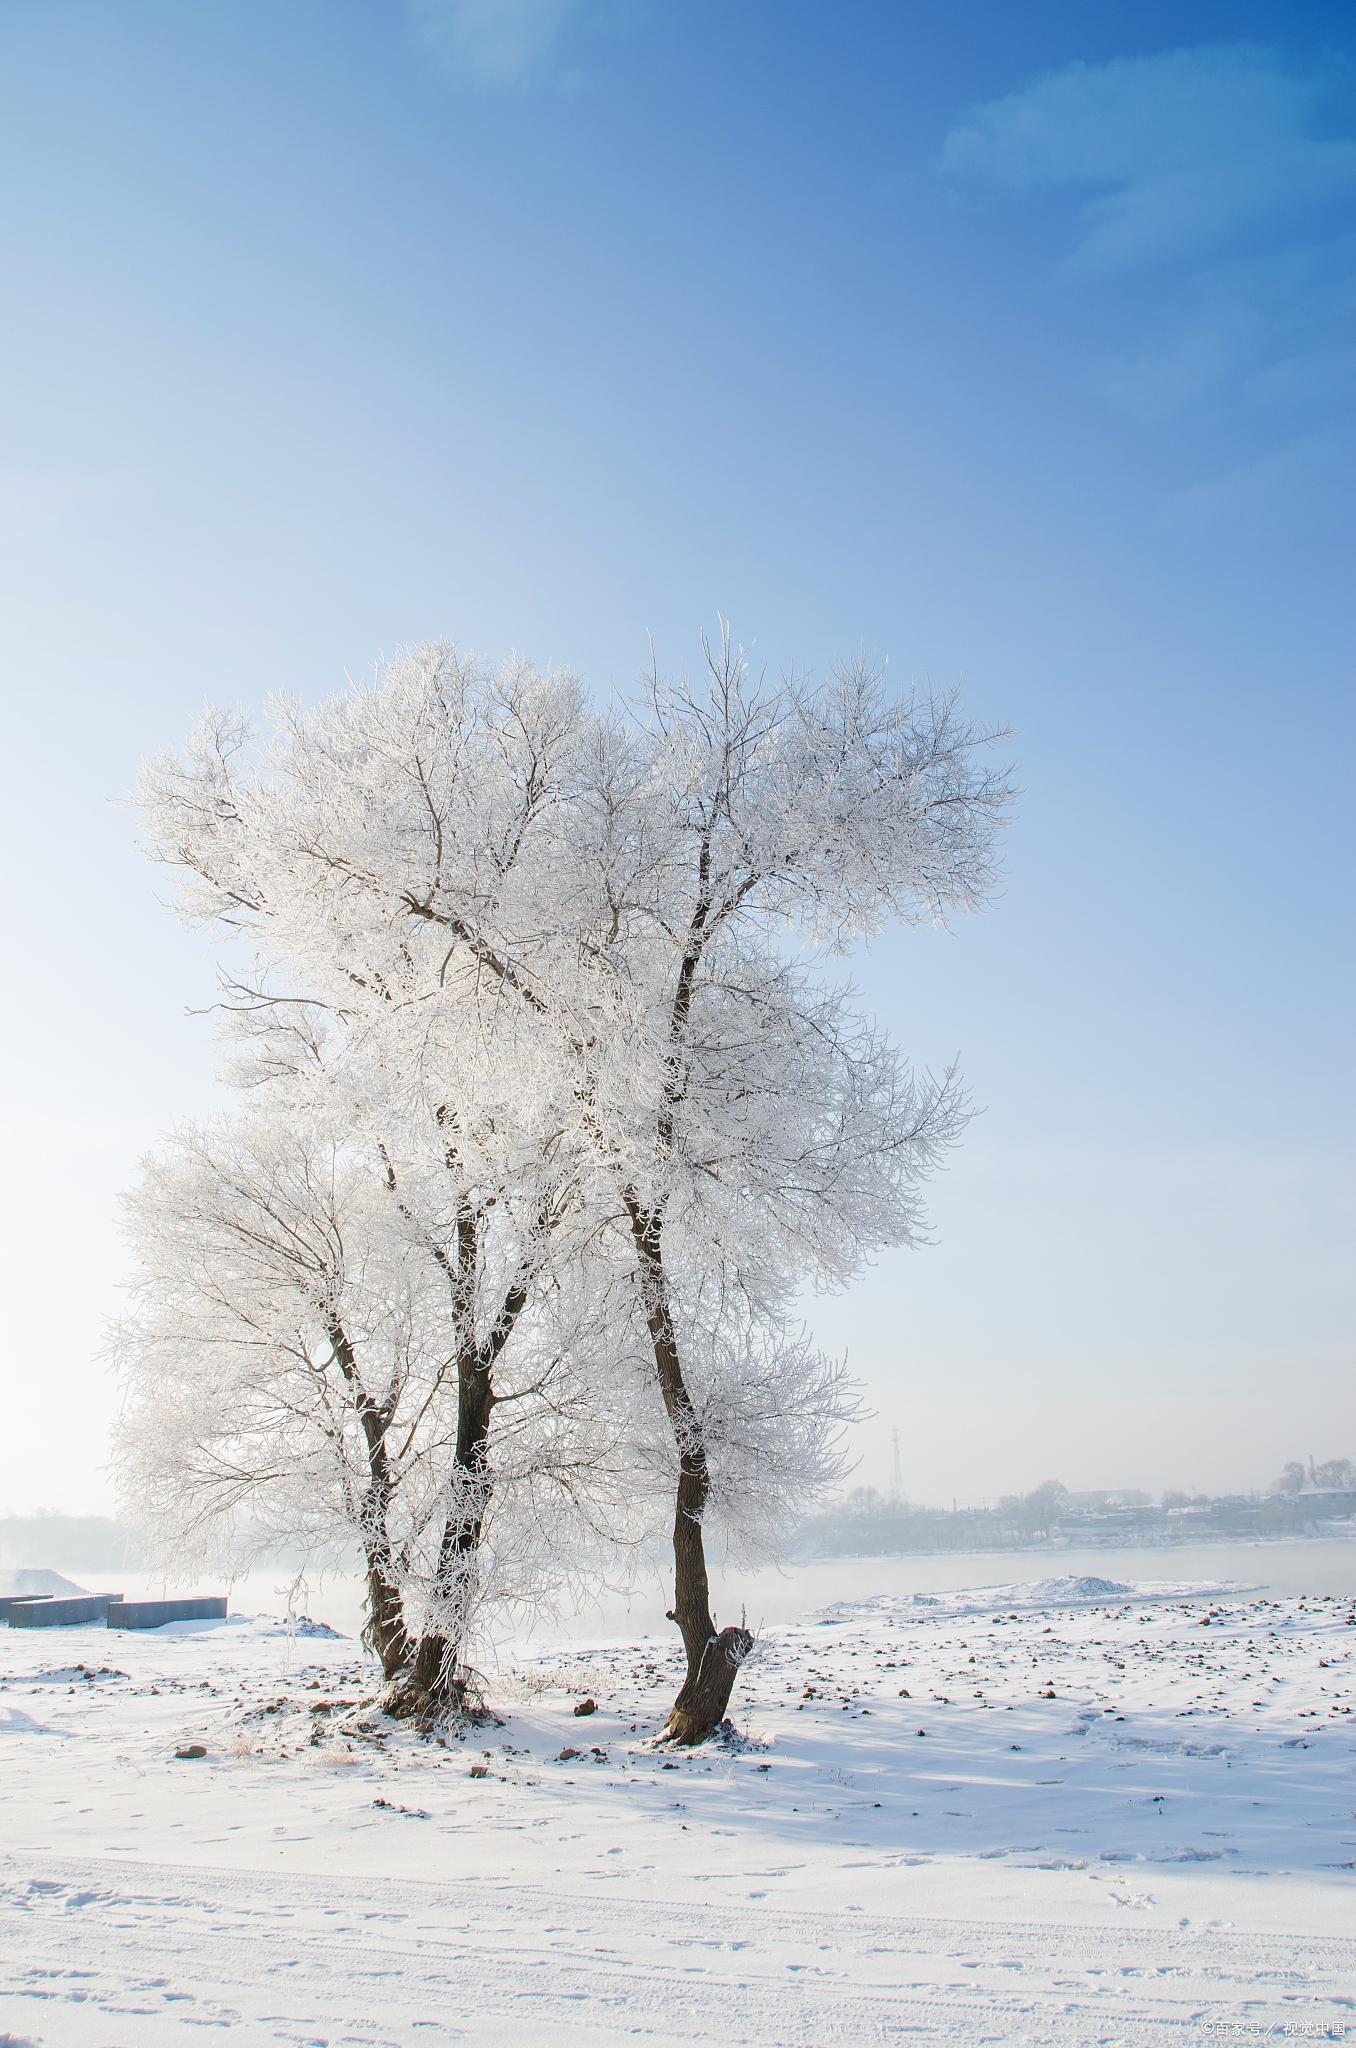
pixel 1058 1813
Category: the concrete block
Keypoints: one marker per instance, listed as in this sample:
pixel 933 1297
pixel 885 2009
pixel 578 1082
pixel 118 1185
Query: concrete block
pixel 10 1600
pixel 155 1613
pixel 62 1613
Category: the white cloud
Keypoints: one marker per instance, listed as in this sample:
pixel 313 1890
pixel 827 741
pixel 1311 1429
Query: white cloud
pixel 495 43
pixel 1181 151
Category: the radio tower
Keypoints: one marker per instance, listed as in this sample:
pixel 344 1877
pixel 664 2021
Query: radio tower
pixel 897 1480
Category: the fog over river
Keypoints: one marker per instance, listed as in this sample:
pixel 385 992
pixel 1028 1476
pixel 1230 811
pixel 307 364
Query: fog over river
pixel 770 1596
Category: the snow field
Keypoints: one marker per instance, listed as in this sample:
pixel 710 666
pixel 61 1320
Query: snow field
pixel 1128 1817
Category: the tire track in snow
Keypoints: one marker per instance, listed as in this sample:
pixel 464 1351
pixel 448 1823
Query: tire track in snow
pixel 163 1949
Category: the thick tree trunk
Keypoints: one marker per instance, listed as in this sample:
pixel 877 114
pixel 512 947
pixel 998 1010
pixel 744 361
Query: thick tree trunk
pixel 713 1660
pixel 699 1709
pixel 426 1677
pixel 433 1684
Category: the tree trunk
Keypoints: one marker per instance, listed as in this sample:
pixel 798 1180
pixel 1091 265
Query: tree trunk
pixel 713 1660
pixel 434 1684
pixel 385 1625
pixel 384 1629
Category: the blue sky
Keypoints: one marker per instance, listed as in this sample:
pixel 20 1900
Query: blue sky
pixel 1013 343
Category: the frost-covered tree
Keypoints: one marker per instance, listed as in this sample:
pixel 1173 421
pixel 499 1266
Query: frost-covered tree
pixel 606 940
pixel 759 1129
pixel 298 1368
pixel 355 1018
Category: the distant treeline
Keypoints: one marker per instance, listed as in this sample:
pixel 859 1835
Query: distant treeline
pixel 1307 1498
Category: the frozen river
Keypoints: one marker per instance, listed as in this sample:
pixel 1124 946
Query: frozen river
pixel 772 1596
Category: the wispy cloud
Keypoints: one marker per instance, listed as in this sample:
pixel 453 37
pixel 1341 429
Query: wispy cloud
pixel 1180 153
pixel 1216 177
pixel 1302 479
pixel 1274 331
pixel 497 43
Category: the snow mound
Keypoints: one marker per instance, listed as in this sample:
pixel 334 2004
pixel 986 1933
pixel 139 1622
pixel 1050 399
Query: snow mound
pixel 1026 1598
pixel 264 1626
pixel 1046 1592
pixel 286 1625
pixel 35 1580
